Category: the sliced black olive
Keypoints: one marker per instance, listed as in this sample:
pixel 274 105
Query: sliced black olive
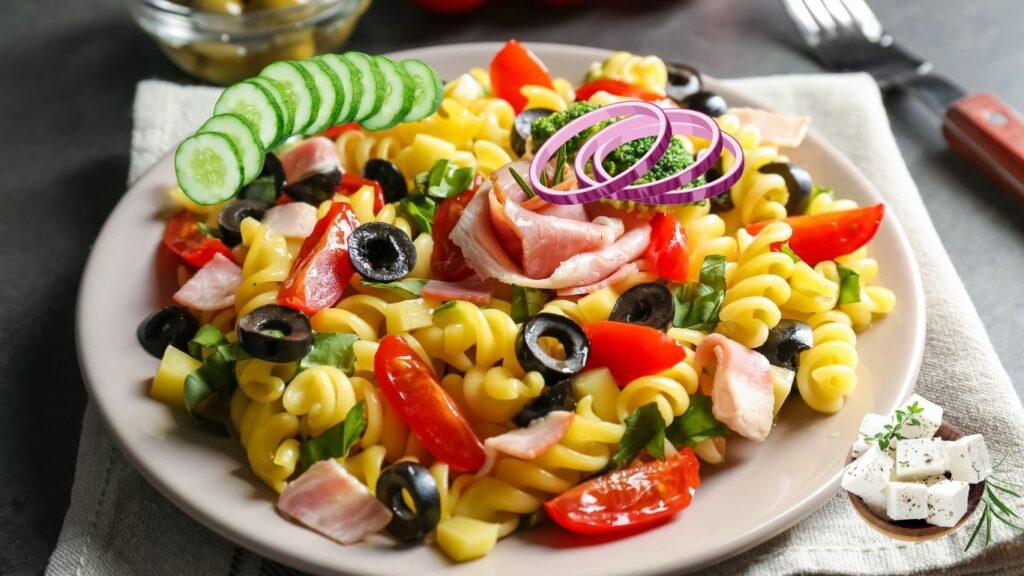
pixel 229 221
pixel 390 178
pixel 648 304
pixel 172 325
pixel 409 524
pixel 315 188
pixel 521 127
pixel 275 333
pixel 272 167
pixel 785 343
pixel 555 397
pixel 532 355
pixel 707 102
pixel 381 252
pixel 798 183
pixel 722 202
pixel 683 81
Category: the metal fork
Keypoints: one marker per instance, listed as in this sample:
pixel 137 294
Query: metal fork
pixel 846 36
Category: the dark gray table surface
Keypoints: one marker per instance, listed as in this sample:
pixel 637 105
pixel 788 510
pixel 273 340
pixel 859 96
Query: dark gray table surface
pixel 67 76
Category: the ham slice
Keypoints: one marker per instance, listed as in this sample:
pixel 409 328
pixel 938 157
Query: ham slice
pixel 782 130
pixel 313 155
pixel 741 395
pixel 473 291
pixel 331 501
pixel 213 287
pixel 291 220
pixel 623 273
pixel 527 443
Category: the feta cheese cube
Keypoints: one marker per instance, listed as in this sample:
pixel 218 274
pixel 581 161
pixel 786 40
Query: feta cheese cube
pixel 907 501
pixel 968 459
pixel 877 502
pixel 932 480
pixel 871 424
pixel 868 475
pixel 947 502
pixel 930 418
pixel 920 458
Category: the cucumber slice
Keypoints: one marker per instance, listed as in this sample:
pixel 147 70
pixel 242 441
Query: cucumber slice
pixel 370 77
pixel 428 90
pixel 299 90
pixel 351 85
pixel 287 107
pixel 208 168
pixel 398 90
pixel 328 87
pixel 256 104
pixel 245 138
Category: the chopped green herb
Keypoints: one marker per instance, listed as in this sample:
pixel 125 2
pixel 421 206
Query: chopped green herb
pixel 527 189
pixel 785 249
pixel 331 349
pixel 408 288
pixel 207 231
pixel 527 302
pixel 216 377
pixel 197 392
pixel 894 431
pixel 698 304
pixel 559 166
pixel 815 192
pixel 208 336
pixel 444 307
pixel 336 441
pixel 645 429
pixel 420 209
pixel 849 285
pixel 996 507
pixel 445 180
pixel 273 333
pixel 695 425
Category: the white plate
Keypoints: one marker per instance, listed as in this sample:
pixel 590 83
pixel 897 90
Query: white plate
pixel 763 490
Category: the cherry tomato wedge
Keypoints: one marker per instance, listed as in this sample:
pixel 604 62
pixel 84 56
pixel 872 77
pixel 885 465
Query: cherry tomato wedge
pixel 618 88
pixel 829 235
pixel 668 251
pixel 514 67
pixel 411 388
pixel 446 260
pixel 630 498
pixel 630 351
pixel 184 237
pixel 352 183
pixel 322 269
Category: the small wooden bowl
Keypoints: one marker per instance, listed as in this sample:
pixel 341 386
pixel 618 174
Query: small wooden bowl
pixel 918 530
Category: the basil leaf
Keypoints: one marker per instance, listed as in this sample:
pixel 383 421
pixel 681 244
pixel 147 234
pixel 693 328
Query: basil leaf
pixel 420 209
pixel 331 349
pixel 216 377
pixel 263 189
pixel 527 302
pixel 207 336
pixel 446 180
pixel 695 425
pixel 197 392
pixel 698 304
pixel 785 249
pixel 849 285
pixel 408 288
pixel 645 428
pixel 815 192
pixel 336 441
pixel 207 231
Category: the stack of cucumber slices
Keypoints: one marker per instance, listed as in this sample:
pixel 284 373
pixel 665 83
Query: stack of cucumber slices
pixel 300 97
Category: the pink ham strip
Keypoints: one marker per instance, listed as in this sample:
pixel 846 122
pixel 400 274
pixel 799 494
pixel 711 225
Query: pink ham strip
pixel 527 443
pixel 310 156
pixel 782 130
pixel 473 291
pixel 331 501
pixel 213 287
pixel 623 273
pixel 741 396
pixel 291 220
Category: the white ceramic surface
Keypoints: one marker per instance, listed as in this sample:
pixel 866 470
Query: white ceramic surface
pixel 763 490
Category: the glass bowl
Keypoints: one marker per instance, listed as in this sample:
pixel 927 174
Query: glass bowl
pixel 223 48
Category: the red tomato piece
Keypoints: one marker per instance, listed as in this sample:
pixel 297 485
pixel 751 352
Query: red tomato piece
pixel 829 235
pixel 322 269
pixel 335 131
pixel 630 498
pixel 668 251
pixel 351 183
pixel 630 351
pixel 184 237
pixel 514 67
pixel 410 386
pixel 618 88
pixel 446 260
pixel 449 6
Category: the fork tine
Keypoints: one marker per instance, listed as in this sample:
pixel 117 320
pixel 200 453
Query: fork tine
pixel 804 22
pixel 821 15
pixel 839 14
pixel 865 18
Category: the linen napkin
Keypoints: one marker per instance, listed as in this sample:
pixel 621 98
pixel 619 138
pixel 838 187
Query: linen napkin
pixel 118 524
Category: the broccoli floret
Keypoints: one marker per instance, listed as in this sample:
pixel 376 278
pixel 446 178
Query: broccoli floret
pixel 675 159
pixel 546 127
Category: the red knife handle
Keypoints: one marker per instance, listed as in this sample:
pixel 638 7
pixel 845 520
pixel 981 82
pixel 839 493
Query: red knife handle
pixel 989 133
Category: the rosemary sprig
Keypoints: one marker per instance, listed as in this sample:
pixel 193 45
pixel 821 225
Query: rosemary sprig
pixel 559 170
pixel 894 431
pixel 522 183
pixel 995 507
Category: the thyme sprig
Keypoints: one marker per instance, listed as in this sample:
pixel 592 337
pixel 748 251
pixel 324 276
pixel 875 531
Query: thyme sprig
pixel 894 431
pixel 995 507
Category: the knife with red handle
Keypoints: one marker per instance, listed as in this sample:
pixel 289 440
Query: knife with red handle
pixel 990 133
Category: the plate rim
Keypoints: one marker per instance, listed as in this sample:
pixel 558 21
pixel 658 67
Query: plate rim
pixel 708 556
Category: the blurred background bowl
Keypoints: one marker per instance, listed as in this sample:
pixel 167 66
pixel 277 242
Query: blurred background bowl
pixel 223 41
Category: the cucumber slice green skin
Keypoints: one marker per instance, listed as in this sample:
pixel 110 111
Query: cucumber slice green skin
pixel 299 88
pixel 287 106
pixel 372 97
pixel 351 83
pixel 245 138
pixel 329 89
pixel 428 90
pixel 252 101
pixel 209 168
pixel 398 89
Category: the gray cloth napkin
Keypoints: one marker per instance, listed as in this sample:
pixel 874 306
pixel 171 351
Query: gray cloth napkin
pixel 118 524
